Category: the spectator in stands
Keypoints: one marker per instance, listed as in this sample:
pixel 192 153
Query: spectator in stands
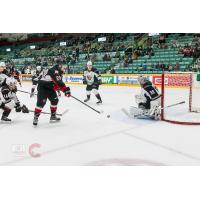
pixel 175 44
pixel 162 67
pixel 135 55
pixel 77 53
pixel 170 67
pixel 126 62
pixel 105 57
pixel 87 57
pixel 108 57
pixel 130 59
pixel 112 71
pixel 117 55
pixel 144 66
pixel 157 66
pixel 161 40
pixel 177 67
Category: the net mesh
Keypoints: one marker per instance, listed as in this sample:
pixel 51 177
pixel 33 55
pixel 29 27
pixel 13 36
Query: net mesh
pixel 179 87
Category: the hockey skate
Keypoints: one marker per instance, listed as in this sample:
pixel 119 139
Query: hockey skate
pixel 86 100
pixel 54 119
pixel 99 102
pixel 35 121
pixel 5 119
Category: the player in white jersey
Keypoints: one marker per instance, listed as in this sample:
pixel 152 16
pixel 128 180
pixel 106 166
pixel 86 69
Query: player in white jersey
pixel 91 78
pixel 149 101
pixel 9 100
pixel 3 76
pixel 36 76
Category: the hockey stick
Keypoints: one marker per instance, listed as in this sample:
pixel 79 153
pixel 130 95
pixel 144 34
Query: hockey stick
pixel 72 97
pixel 86 105
pixel 47 113
pixel 25 92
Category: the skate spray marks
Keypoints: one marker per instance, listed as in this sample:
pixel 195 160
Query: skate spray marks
pixel 124 162
pixel 163 146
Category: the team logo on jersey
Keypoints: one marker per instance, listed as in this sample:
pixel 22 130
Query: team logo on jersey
pixel 89 77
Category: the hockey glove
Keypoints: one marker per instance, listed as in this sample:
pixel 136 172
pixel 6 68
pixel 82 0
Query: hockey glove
pixel 36 79
pixel 18 107
pixel 67 92
pixel 99 81
pixel 25 109
pixel 2 105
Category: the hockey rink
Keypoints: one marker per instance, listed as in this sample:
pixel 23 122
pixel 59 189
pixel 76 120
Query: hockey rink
pixel 84 137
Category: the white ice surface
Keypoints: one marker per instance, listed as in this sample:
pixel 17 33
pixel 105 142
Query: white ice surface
pixel 84 137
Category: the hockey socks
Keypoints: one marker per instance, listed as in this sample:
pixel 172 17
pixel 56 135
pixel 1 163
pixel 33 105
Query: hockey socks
pixel 53 117
pixel 36 116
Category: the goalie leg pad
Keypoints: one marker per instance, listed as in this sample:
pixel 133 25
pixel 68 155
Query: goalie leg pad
pixel 136 112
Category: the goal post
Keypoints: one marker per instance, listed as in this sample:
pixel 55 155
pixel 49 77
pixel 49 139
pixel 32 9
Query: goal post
pixel 177 87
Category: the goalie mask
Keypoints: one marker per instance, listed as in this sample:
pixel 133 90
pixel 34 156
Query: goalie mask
pixel 142 80
pixel 11 83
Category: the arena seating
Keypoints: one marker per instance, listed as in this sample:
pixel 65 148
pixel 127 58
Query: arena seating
pixel 169 55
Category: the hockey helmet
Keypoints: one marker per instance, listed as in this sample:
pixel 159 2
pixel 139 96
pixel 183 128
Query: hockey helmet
pixel 2 66
pixel 11 83
pixel 38 68
pixel 142 80
pixel 89 65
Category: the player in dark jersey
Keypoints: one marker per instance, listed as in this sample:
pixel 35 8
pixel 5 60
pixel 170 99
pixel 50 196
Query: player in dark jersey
pixel 37 75
pixel 91 78
pixel 50 82
pixel 149 100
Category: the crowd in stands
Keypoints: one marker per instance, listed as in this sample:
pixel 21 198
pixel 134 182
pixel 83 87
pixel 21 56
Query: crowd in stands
pixel 189 51
pixel 45 54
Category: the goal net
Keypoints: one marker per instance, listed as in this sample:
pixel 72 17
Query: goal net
pixel 176 88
